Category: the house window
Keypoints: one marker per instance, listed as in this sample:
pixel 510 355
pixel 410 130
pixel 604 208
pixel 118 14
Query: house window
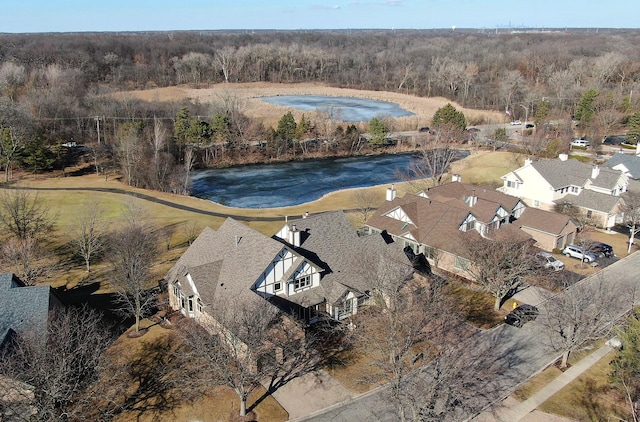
pixel 182 304
pixel 575 189
pixel 589 213
pixel 200 307
pixel 346 309
pixel 277 286
pixel 512 185
pixel 302 282
pixel 470 225
pixel 536 203
pixel 429 252
pixel 176 290
pixel 461 263
pixel 190 304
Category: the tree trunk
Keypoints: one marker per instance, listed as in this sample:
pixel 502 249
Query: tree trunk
pixel 243 405
pixel 497 303
pixel 565 358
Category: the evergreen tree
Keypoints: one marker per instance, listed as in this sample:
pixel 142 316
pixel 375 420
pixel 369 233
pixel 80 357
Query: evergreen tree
pixel 541 113
pixel 448 115
pixel 378 131
pixel 37 155
pixel 286 130
pixel 633 124
pixel 586 107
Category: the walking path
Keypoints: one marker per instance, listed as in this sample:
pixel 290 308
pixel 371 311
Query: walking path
pixel 521 410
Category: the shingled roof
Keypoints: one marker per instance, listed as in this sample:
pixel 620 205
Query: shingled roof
pixel 572 172
pixel 330 241
pixel 225 263
pixel 23 307
pixel 630 161
pixel 541 220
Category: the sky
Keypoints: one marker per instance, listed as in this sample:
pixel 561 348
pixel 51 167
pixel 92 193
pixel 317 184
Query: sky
pixel 25 16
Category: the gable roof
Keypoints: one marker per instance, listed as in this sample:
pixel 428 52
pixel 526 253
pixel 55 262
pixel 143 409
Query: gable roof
pixel 595 201
pixel 23 307
pixel 225 263
pixel 630 161
pixel 544 221
pixel 435 221
pixel 330 241
pixel 559 174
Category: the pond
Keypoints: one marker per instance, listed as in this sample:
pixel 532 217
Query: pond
pixel 295 182
pixel 346 109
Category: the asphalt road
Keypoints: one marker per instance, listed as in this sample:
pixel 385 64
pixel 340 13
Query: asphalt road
pixel 521 353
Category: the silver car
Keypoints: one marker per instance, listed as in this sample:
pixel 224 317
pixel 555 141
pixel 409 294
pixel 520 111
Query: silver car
pixel 549 261
pixel 573 251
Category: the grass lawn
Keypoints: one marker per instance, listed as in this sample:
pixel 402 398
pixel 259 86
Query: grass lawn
pixel 486 167
pixel 219 404
pixel 476 306
pixel 588 397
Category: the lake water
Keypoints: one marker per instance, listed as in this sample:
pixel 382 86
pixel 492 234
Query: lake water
pixel 296 182
pixel 346 109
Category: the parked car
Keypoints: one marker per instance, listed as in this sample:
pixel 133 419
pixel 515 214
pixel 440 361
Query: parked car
pixel 547 260
pixel 424 129
pixel 516 122
pixel 521 315
pixel 573 251
pixel 601 250
pixel 580 143
pixel 614 140
pixel 529 125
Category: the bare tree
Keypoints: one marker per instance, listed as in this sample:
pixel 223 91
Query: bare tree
pixel 32 261
pixel 132 250
pixel 499 266
pixel 625 367
pixel 435 157
pixel 577 315
pixel 57 367
pixel 631 211
pixel 88 234
pixel 249 342
pixel 366 201
pixel 191 231
pixel 24 215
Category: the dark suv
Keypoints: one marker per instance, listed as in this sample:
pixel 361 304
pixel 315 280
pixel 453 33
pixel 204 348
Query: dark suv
pixel 520 315
pixel 601 250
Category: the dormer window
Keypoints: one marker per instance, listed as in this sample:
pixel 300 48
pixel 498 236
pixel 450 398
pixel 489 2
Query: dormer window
pixel 302 282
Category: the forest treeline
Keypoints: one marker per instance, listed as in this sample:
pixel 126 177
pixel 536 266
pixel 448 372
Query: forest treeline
pixel 53 86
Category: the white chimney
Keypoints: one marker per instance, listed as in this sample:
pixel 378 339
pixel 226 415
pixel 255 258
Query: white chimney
pixel 294 236
pixel 456 178
pixel 595 171
pixel 473 199
pixel 563 157
pixel 391 193
pixel 528 161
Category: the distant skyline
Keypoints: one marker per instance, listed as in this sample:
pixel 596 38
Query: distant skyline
pixel 21 16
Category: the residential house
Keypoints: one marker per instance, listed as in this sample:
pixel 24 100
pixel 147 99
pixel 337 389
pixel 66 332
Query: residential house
pixel 594 190
pixel 440 221
pixel 24 307
pixel 629 164
pixel 309 269
pixel 550 230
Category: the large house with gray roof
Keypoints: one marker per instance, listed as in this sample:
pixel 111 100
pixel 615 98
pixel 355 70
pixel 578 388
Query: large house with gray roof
pixel 593 189
pixel 308 269
pixel 629 164
pixel 24 307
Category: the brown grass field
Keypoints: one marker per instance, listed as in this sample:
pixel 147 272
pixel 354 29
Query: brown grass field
pixel 249 95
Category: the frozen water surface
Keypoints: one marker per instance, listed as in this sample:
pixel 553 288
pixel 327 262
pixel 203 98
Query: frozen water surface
pixel 347 109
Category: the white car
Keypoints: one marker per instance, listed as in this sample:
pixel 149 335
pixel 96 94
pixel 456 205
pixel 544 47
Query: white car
pixel 573 251
pixel 580 143
pixel 549 261
pixel 516 122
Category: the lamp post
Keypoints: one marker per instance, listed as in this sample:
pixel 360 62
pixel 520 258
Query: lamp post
pixel 526 117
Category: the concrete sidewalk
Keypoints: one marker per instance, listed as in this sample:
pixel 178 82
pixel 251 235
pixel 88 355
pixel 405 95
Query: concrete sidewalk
pixel 309 393
pixel 520 411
